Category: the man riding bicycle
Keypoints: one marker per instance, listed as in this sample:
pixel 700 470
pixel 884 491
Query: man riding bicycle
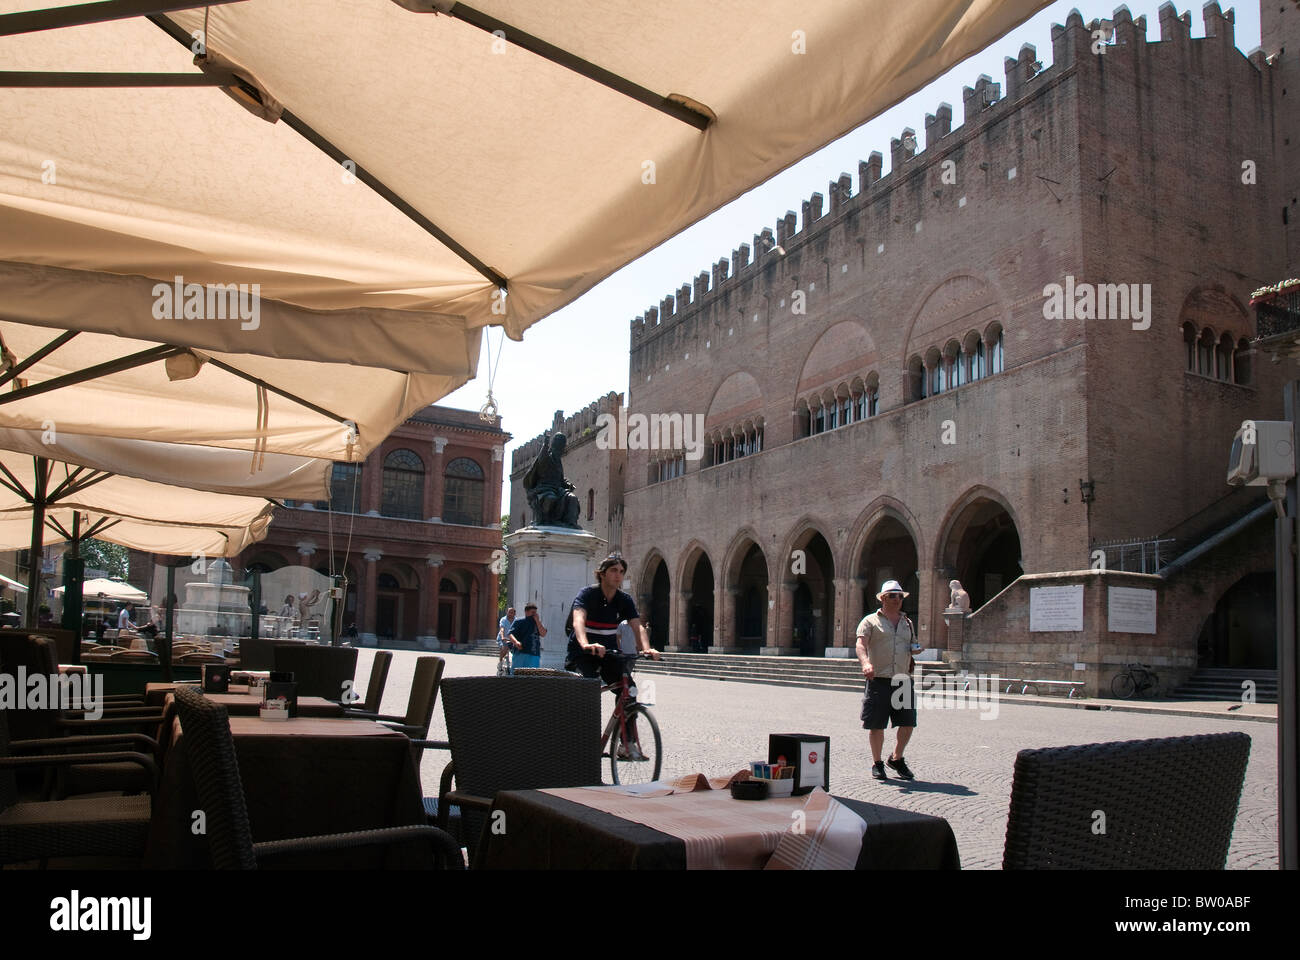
pixel 597 612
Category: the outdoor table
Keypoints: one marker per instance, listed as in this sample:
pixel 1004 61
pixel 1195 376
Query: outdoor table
pixel 302 777
pixel 240 703
pixel 580 828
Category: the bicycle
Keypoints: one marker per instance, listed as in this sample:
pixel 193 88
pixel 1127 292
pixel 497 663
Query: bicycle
pixel 634 757
pixel 1134 679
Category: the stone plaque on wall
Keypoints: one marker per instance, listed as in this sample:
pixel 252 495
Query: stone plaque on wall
pixel 1056 608
pixel 1131 610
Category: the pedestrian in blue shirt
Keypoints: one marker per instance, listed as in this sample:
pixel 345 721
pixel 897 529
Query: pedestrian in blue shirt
pixel 526 637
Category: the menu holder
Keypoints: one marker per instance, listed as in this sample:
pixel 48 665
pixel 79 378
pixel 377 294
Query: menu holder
pixel 282 691
pixel 808 753
pixel 216 678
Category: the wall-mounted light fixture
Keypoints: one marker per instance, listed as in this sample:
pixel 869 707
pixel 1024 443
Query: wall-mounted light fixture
pixel 1086 490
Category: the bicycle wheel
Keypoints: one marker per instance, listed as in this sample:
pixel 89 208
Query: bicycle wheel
pixel 644 739
pixel 1123 686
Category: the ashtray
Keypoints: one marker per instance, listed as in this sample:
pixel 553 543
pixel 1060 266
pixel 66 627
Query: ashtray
pixel 749 790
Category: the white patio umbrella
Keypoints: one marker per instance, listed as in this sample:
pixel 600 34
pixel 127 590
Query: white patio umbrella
pixel 395 166
pixel 38 495
pixel 110 590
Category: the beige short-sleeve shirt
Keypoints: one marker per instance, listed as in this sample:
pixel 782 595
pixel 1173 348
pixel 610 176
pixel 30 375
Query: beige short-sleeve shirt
pixel 889 648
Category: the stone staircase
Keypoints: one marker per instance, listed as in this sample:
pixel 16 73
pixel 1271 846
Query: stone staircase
pixel 812 672
pixel 1218 683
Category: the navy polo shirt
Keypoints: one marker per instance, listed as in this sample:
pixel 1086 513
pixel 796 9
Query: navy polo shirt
pixel 525 631
pixel 603 617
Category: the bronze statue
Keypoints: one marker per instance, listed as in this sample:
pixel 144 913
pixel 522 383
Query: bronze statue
pixel 549 494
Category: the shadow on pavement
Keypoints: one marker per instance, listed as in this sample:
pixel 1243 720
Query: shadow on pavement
pixel 920 786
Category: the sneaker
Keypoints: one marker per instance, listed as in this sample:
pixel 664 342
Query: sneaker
pixel 899 766
pixel 878 770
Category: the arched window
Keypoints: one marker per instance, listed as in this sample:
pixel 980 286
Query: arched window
pixel 995 354
pixel 873 395
pixel 403 485
pixel 1189 342
pixel 462 496
pixel 916 379
pixel 591 503
pixel 345 488
pixel 846 410
pixel 1241 362
pixel 1223 359
pixel 1205 353
pixel 819 419
pixel 981 362
pixel 386 581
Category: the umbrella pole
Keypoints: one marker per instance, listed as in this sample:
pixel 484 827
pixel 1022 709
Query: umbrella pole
pixel 74 574
pixel 38 534
pixel 169 620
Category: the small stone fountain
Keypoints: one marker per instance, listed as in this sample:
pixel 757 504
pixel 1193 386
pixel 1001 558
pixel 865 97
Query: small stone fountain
pixel 215 607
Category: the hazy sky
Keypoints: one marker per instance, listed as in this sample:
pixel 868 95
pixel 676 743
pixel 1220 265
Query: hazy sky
pixel 534 378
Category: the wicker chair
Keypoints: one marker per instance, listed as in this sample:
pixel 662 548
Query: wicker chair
pixel 80 827
pixel 221 794
pixel 319 671
pixel 1168 804
pixel 516 733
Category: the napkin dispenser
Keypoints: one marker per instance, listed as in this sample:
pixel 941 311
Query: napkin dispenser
pixel 278 688
pixel 808 753
pixel 216 678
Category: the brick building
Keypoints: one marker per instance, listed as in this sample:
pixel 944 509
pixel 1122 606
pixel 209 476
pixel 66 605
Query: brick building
pixel 415 530
pixel 1023 348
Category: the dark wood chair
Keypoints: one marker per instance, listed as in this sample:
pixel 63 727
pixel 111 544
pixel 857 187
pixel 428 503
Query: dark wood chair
pixel 319 671
pixel 78 827
pixel 1167 804
pixel 221 794
pixel 375 687
pixel 419 705
pixel 516 733
pixel 124 724
pixel 258 653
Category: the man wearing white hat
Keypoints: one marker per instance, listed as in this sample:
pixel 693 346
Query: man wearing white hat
pixel 886 642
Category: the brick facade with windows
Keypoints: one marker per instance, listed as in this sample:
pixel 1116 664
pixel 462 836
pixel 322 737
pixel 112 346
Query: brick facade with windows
pixel 888 394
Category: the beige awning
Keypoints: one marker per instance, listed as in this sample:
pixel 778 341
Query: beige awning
pixel 419 161
pixel 155 517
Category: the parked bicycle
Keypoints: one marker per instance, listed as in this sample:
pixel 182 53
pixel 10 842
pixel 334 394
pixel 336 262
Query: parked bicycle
pixel 635 747
pixel 1134 679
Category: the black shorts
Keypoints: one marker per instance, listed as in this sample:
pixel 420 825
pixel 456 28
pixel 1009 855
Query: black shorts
pixel 589 665
pixel 889 701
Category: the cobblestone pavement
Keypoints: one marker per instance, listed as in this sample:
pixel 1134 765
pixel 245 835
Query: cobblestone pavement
pixel 963 763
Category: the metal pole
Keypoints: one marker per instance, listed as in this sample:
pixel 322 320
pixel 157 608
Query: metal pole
pixel 74 574
pixel 38 536
pixel 169 619
pixel 1288 594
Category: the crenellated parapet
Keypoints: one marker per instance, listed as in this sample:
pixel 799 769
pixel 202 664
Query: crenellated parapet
pixel 575 428
pixel 1074 45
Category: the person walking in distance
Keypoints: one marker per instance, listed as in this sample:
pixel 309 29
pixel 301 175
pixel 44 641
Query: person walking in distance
pixel 526 637
pixel 886 642
pixel 504 668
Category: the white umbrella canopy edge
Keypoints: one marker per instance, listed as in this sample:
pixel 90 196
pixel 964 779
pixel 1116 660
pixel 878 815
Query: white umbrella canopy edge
pixel 300 408
pixel 149 537
pixel 508 193
pixel 127 497
pixel 214 469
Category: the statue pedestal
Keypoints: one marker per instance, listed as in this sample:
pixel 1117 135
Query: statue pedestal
pixel 548 567
pixel 956 621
